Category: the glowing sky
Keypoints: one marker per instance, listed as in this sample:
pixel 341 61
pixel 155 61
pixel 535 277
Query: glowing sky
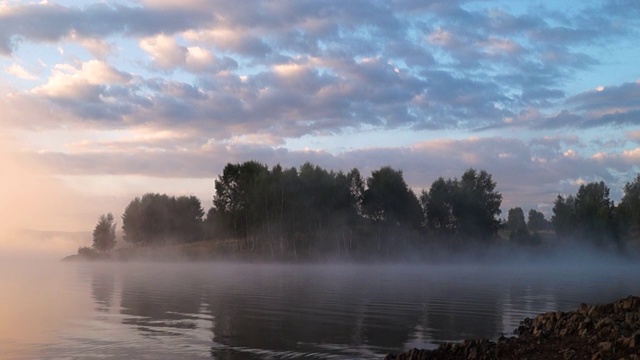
pixel 112 99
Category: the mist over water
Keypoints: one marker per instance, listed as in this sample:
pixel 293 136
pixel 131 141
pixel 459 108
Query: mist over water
pixel 254 311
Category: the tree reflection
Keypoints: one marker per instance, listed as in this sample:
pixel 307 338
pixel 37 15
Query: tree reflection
pixel 161 303
pixel 306 312
pixel 102 288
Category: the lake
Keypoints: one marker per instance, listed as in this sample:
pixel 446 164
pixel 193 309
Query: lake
pixel 270 311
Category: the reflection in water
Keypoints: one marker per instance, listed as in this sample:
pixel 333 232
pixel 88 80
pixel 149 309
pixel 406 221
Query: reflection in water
pixel 232 311
pixel 102 288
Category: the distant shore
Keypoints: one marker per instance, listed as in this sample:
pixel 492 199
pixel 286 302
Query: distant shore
pixel 606 331
pixel 196 251
pixel 502 251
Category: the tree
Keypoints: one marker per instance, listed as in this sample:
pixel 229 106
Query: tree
pixel 596 213
pixel 237 196
pixel 564 215
pixel 629 207
pixel 158 218
pixel 477 205
pixel 438 206
pixel 465 208
pixel 536 220
pixel 517 227
pixel 589 215
pixel 104 234
pixel 389 199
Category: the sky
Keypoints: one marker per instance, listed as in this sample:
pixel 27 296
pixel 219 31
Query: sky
pixel 103 101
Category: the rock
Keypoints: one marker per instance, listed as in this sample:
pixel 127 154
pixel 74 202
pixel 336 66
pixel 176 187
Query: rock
pixel 596 332
pixel 583 309
pixel 634 341
pixel 606 322
pixel 629 318
pixel 605 346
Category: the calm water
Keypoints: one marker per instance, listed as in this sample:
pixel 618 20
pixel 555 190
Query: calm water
pixel 233 311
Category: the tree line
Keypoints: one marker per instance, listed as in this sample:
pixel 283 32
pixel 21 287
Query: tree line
pixel 312 212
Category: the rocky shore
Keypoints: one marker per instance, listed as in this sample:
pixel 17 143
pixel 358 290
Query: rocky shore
pixel 606 331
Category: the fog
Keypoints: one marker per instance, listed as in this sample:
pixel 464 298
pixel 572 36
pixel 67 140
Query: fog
pixel 36 208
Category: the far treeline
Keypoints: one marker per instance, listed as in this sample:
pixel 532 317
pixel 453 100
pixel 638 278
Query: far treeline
pixel 310 212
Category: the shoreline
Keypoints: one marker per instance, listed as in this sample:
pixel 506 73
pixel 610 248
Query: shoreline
pixel 502 252
pixel 603 331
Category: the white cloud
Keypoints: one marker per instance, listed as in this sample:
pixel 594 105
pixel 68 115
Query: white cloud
pixel 99 48
pixel 199 59
pixel 167 54
pixel 18 71
pixel 83 82
pixel 164 50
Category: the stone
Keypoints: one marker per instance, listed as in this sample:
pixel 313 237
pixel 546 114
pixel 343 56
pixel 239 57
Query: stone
pixel 606 322
pixel 568 354
pixel 605 346
pixel 635 339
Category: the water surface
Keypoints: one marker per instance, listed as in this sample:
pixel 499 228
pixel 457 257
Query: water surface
pixel 240 311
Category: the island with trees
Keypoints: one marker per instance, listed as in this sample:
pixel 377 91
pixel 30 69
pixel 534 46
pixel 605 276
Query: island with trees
pixel 310 213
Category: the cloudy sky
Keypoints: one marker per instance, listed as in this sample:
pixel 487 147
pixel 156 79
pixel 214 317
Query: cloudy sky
pixel 101 101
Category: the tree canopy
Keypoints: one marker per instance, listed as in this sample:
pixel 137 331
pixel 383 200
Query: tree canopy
pixel 467 208
pixel 160 219
pixel 104 234
pixel 590 215
pixel 310 211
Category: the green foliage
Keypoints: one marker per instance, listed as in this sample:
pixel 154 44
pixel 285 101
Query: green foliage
pixel 629 207
pixel 536 221
pixel 518 231
pixel 285 210
pixel 438 206
pixel 158 219
pixel 389 199
pixel 564 217
pixel 104 234
pixel 87 252
pixel 465 208
pixel 589 215
pixel 478 205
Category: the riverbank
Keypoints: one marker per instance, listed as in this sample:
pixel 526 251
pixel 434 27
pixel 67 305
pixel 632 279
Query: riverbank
pixel 606 331
pixel 501 251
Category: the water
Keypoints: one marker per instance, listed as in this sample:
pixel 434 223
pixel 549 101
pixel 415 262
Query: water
pixel 235 311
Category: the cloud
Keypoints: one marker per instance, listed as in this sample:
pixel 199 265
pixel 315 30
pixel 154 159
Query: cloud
pixel 382 64
pixel 164 50
pixel 526 174
pixel 167 54
pixel 20 72
pixel 85 82
pixel 49 23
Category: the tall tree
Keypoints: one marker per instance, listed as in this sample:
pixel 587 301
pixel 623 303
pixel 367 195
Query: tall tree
pixel 536 220
pixel 589 215
pixel 629 207
pixel 464 209
pixel 438 206
pixel 237 196
pixel 564 215
pixel 596 213
pixel 389 199
pixel 158 219
pixel 104 234
pixel 517 226
pixel 477 205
